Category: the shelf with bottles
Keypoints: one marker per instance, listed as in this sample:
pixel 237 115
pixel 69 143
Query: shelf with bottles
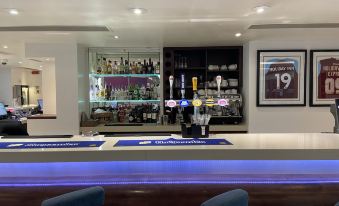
pixel 126 113
pixel 125 63
pixel 127 101
pixel 129 91
pixel 125 75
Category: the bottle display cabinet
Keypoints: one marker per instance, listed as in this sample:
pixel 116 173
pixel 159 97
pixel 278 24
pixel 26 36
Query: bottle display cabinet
pixel 124 85
pixel 206 63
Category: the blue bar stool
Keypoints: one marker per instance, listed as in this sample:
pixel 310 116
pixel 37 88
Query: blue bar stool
pixel 93 196
pixel 232 198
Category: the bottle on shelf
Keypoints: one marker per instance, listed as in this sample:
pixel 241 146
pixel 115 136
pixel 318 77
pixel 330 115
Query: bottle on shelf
pixel 109 67
pixel 104 66
pixel 121 66
pixel 99 70
pixel 149 113
pixel 150 67
pixel 157 68
pixel 155 113
pixel 115 68
pixel 144 67
pixel 148 91
pixel 126 67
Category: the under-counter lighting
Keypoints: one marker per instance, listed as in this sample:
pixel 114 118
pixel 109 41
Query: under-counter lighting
pixel 238 34
pixel 260 9
pixel 13 12
pixel 138 11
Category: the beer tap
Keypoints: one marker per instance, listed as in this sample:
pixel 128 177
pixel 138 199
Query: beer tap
pixel 196 101
pixel 171 103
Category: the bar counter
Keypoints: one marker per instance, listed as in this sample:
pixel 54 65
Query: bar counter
pixel 293 146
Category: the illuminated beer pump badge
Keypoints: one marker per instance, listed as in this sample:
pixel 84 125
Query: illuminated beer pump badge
pixel 223 102
pixel 210 102
pixel 171 103
pixel 197 102
pixel 184 103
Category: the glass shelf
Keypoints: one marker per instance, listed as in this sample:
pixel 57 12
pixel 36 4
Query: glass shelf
pixel 125 101
pixel 124 75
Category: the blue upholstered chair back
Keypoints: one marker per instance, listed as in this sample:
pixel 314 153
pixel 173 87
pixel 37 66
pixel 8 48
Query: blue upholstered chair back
pixel 93 196
pixel 337 204
pixel 232 198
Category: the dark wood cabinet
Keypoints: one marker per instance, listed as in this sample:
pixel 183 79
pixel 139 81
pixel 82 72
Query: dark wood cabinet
pixel 195 62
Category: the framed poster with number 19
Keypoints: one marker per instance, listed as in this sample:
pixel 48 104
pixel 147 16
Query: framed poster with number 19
pixel 324 81
pixel 281 77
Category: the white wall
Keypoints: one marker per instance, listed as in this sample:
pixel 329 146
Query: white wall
pixel 66 75
pixel 49 89
pixel 6 91
pixel 83 79
pixel 284 119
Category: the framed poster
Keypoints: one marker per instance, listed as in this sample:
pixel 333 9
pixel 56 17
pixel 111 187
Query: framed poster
pixel 281 77
pixel 324 78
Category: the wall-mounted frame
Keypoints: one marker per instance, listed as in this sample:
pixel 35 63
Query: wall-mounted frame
pixel 281 78
pixel 324 77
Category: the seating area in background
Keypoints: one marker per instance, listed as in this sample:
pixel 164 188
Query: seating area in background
pixel 12 127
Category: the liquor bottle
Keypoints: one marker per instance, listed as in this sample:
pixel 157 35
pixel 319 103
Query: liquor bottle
pixel 126 67
pixel 149 113
pixel 149 67
pixel 144 67
pixel 109 67
pixel 104 66
pixel 107 92
pixel 148 91
pixel 112 95
pixel 115 68
pixel 131 117
pixel 121 66
pixel 99 70
pixel 144 114
pixel 121 113
pixel 157 68
pixel 154 113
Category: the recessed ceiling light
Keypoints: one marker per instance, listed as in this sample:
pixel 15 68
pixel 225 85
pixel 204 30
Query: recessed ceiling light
pixel 138 11
pixel 260 9
pixel 116 37
pixel 13 12
pixel 47 59
pixel 238 34
pixel 5 46
pixel 20 62
pixel 40 66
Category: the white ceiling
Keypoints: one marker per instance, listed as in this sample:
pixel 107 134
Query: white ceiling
pixel 167 22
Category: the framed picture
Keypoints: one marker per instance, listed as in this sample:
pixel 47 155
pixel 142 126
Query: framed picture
pixel 324 78
pixel 281 78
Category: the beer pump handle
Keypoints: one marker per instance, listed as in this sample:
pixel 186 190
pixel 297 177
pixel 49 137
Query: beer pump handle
pixel 171 80
pixel 182 86
pixel 195 84
pixel 218 78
